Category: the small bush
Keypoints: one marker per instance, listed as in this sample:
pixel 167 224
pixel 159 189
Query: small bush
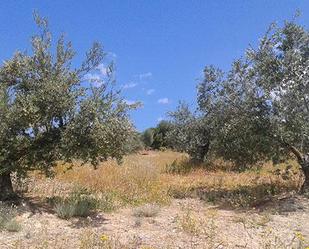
pixel 162 148
pixel 7 219
pixel 79 204
pixel 13 226
pixel 106 202
pixel 65 209
pixel 53 200
pixel 180 192
pixel 148 210
pixel 189 223
pixel 137 222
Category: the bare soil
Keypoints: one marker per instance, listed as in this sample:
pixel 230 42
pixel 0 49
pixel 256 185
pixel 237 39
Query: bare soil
pixel 185 223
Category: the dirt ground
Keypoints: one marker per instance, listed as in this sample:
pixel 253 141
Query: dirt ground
pixel 185 223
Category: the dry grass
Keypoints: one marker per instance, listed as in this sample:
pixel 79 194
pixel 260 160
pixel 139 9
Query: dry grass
pixel 148 210
pixel 147 182
pixel 136 181
pixel 8 221
pixel 236 188
pixel 147 179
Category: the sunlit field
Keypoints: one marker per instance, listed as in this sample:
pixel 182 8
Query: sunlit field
pixel 154 196
pixel 155 177
pixel 154 125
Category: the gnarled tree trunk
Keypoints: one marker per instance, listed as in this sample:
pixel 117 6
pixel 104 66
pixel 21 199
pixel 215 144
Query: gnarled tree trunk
pixel 6 188
pixel 305 168
pixel 303 161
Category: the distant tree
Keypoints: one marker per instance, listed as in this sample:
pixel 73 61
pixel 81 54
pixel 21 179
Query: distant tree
pixel 189 133
pixel 147 137
pixel 48 114
pixel 160 139
pixel 156 138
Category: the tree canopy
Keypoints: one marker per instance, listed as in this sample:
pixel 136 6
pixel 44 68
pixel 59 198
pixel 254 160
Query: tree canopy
pixel 51 111
pixel 258 110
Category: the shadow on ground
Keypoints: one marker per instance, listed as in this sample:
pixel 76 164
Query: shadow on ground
pixel 259 197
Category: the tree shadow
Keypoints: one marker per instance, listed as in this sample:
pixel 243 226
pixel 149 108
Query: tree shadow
pixel 93 220
pixel 258 198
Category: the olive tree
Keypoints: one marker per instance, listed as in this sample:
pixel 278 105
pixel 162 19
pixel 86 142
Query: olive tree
pixel 156 137
pixel 259 109
pixel 50 110
pixel 281 65
pixel 189 133
pixel 148 137
pixel 236 115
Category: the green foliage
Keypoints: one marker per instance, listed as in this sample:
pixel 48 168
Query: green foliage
pixel 160 139
pixel 258 110
pixel 157 138
pixel 78 204
pixel 189 133
pixel 134 143
pixel 147 137
pixel 7 219
pixel 47 114
pixel 64 209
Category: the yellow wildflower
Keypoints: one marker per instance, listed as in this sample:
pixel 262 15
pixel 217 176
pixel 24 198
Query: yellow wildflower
pixel 299 236
pixel 104 237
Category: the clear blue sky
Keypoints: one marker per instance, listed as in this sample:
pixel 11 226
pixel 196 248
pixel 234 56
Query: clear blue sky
pixel 160 47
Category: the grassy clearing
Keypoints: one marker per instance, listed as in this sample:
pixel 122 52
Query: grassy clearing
pixel 148 182
pixel 137 181
pixel 159 176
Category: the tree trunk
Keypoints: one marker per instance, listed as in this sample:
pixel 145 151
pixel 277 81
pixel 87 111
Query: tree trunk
pixel 205 150
pixel 305 168
pixel 6 188
pixel 303 160
pixel 201 153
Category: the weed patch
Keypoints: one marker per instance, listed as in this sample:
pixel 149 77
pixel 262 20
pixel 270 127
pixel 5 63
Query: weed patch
pixel 7 219
pixel 148 210
pixel 78 204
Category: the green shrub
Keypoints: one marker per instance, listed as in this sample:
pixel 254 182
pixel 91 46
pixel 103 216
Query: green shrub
pixel 7 219
pixel 80 203
pixel 13 226
pixel 65 209
pixel 106 202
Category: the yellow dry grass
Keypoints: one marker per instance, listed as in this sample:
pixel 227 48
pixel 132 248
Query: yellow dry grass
pixel 138 180
pixel 143 179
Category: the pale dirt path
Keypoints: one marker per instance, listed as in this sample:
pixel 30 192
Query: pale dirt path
pixel 212 227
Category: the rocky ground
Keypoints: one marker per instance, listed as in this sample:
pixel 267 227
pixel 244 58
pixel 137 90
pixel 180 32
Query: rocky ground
pixel 185 223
